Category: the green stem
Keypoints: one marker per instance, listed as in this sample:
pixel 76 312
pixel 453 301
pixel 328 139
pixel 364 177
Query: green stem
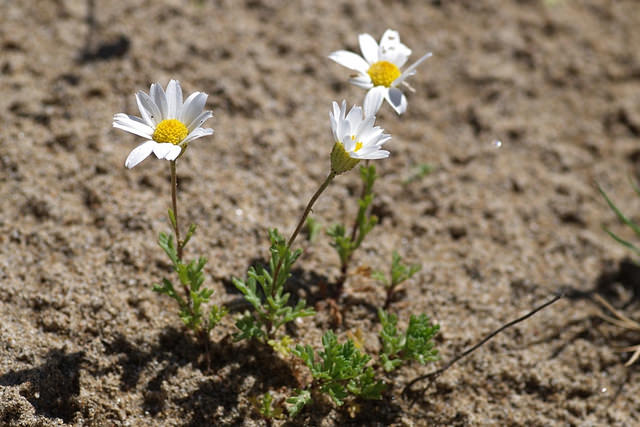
pixel 176 229
pixel 303 218
pixel 174 203
pixel 363 194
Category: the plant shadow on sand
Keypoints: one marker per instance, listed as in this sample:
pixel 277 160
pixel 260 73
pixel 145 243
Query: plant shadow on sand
pixel 53 387
pixel 627 276
pixel 174 349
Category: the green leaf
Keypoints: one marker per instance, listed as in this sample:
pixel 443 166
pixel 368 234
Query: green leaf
pixel 166 243
pixel 366 385
pixel 419 172
pixel 192 229
pixel 419 344
pixel 401 272
pixel 298 401
pixel 248 289
pixel 216 313
pixel 248 328
pixel 380 277
pixel 341 371
pixel 415 344
pixel 266 409
pixel 172 218
pixel 622 241
pixel 313 229
pixel 392 342
pixel 619 214
pixel 271 305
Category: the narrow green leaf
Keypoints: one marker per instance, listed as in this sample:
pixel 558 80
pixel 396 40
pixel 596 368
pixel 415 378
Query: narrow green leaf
pixel 619 214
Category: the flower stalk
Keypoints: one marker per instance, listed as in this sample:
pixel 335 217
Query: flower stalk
pixel 304 216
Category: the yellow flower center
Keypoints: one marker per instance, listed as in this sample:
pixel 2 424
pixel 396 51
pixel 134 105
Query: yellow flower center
pixel 170 130
pixel 383 73
pixel 358 146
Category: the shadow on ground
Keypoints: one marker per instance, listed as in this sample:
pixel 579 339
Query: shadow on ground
pixel 53 387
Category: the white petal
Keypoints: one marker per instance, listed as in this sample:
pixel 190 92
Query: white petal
pixel 354 118
pixel 334 119
pixel 392 50
pixel 363 81
pixel 174 153
pixel 167 151
pixel 339 113
pixel 371 135
pixel 378 154
pixel 158 96
pixel 148 109
pixel 364 126
pixel 349 60
pixel 193 107
pixel 373 100
pixel 132 124
pixel 139 153
pixel 198 121
pixel 397 100
pixel 174 99
pixel 369 48
pixel 197 133
pixel 382 139
pixel 348 143
pixel 410 71
pixel 161 149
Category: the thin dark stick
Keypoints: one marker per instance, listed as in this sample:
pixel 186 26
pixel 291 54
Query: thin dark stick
pixel 435 374
pixel 91 27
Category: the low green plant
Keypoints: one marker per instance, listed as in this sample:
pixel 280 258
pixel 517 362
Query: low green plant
pixel 265 406
pixel 419 172
pixel 313 229
pixel 399 273
pixel 340 372
pixel 345 243
pixel 270 302
pixel 191 278
pixel 416 343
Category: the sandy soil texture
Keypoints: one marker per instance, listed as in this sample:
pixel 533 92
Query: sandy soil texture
pixel 84 340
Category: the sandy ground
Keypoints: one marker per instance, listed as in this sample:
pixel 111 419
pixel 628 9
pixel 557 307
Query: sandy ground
pixel 84 340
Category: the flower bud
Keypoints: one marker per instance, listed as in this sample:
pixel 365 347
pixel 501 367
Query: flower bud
pixel 341 161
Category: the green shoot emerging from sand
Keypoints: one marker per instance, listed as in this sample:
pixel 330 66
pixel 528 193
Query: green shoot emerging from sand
pixel 269 301
pixel 400 272
pixel 344 371
pixel 345 243
pixel 264 405
pixel 341 372
pixel 414 344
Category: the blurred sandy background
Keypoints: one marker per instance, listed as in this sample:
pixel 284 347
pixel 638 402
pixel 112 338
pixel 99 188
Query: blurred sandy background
pixel 84 340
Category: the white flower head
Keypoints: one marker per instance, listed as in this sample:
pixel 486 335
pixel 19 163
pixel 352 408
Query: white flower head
pixel 168 123
pixel 356 138
pixel 379 69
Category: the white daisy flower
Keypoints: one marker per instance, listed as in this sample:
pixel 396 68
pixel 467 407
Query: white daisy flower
pixel 356 138
pixel 167 122
pixel 379 69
